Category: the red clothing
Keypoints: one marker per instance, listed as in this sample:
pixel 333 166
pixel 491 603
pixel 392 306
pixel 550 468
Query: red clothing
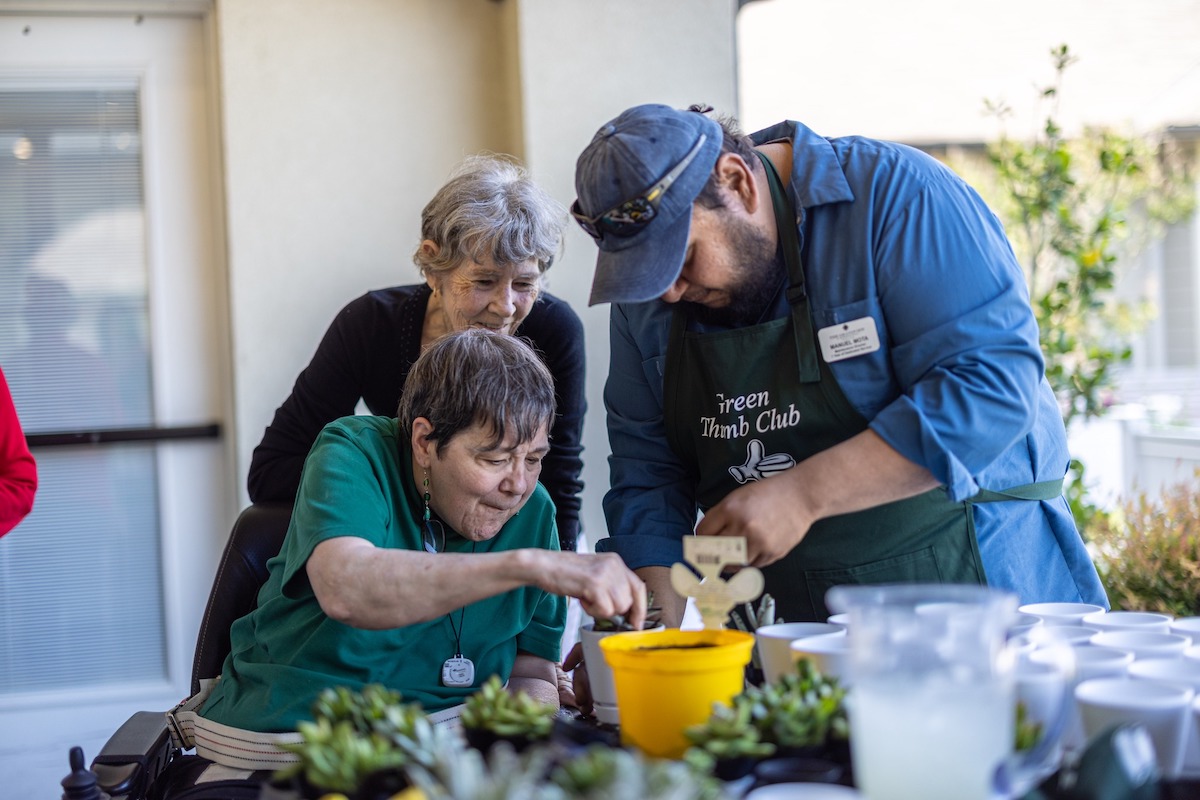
pixel 18 472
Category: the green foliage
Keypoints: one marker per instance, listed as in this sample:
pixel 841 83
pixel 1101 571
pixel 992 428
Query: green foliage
pixel 354 734
pixel 804 709
pixel 1148 552
pixel 508 714
pixel 600 773
pixel 1075 210
pixel 730 732
pixel 1027 732
pixel 546 773
pixel 752 616
pixel 357 735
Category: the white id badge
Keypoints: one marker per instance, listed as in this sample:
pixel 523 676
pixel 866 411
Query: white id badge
pixel 848 339
pixel 458 671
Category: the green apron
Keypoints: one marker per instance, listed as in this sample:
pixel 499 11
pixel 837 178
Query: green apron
pixel 744 404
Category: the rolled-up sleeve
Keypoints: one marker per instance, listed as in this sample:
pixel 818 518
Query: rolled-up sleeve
pixel 963 341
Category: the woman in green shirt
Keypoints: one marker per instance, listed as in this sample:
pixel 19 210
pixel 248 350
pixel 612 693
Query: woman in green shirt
pixel 406 562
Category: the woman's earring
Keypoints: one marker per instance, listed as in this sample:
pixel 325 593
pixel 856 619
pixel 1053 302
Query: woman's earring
pixel 425 486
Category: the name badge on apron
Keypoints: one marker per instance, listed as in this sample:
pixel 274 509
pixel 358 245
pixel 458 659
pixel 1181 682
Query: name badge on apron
pixel 848 339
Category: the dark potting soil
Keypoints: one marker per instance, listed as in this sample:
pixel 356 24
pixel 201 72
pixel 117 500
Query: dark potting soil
pixel 678 646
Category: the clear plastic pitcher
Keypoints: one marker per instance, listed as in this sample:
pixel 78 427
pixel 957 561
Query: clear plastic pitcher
pixel 932 700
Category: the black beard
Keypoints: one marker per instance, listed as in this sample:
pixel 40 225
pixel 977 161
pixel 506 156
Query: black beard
pixel 762 272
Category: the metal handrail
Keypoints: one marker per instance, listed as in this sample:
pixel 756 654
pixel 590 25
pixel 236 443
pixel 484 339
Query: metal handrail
pixel 211 430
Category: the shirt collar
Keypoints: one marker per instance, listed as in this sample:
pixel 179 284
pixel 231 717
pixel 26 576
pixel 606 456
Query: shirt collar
pixel 817 177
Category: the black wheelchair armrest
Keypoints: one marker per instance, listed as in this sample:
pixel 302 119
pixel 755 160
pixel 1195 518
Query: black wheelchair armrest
pixel 134 756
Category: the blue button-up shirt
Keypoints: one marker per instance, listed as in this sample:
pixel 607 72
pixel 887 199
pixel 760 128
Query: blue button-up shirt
pixel 956 386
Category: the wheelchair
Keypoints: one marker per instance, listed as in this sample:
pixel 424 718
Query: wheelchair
pixel 139 761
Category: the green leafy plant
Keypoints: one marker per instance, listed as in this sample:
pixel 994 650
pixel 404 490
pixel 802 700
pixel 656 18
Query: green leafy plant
pixel 503 774
pixel 804 709
pixel 749 618
pixel 507 714
pixel 729 734
pixel 356 735
pixel 754 615
pixel 601 773
pixel 1078 210
pixel 1026 732
pixel 1147 551
pixel 1074 208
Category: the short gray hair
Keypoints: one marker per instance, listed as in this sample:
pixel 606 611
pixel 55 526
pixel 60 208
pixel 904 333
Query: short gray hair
pixel 490 207
pixel 478 377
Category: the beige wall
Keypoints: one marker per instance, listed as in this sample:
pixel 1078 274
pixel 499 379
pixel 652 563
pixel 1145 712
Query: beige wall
pixel 340 120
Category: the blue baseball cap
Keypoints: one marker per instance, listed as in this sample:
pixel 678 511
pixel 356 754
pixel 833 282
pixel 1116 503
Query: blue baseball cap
pixel 636 183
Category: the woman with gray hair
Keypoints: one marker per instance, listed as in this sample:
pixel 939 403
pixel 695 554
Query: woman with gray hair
pixel 407 564
pixel 487 237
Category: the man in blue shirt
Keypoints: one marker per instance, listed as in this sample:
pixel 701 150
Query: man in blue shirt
pixel 825 345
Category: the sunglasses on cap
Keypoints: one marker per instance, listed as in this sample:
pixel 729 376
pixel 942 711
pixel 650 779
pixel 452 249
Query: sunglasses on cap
pixel 626 219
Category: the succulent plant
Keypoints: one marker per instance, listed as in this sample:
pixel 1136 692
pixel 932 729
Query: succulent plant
pixel 804 709
pixel 750 617
pixel 1027 732
pixel 503 774
pixel 508 714
pixel 355 735
pixel 600 773
pixel 728 733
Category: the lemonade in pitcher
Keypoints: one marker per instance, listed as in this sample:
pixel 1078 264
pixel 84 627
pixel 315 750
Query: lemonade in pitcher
pixel 932 697
pixel 940 742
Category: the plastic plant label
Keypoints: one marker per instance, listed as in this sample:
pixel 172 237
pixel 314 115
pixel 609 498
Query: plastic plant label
pixel 710 554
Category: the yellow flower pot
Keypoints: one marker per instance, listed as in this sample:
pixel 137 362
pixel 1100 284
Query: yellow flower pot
pixel 667 680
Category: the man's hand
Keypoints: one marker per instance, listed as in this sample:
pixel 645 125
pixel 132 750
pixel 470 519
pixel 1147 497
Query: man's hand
pixel 776 512
pixel 769 513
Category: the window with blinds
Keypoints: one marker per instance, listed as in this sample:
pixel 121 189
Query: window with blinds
pixel 80 578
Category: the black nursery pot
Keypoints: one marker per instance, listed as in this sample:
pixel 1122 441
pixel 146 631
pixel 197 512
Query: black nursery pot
pixel 795 769
pixel 755 675
pixel 295 788
pixel 484 740
pixel 377 786
pixel 730 769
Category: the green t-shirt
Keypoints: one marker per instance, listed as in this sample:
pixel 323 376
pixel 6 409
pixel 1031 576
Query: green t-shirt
pixel 358 481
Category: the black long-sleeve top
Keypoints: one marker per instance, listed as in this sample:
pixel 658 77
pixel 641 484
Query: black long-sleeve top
pixel 367 353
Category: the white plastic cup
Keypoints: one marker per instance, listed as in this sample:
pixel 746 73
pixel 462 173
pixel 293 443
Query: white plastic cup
pixel 1187 626
pixel 1056 635
pixel 1089 662
pixel 1060 613
pixel 1182 672
pixel 1040 689
pixel 1164 709
pixel 828 652
pixel 1131 620
pixel 774 644
pixel 1143 644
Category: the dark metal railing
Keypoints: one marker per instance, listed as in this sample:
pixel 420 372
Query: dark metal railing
pixel 117 435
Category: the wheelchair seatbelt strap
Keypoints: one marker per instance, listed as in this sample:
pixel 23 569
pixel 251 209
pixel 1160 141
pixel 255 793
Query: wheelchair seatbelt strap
pixel 241 748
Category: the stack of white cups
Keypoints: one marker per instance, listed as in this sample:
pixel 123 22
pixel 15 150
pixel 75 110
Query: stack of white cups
pixel 1129 667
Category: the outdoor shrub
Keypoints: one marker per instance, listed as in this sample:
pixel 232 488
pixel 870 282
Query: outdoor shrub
pixel 1148 552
